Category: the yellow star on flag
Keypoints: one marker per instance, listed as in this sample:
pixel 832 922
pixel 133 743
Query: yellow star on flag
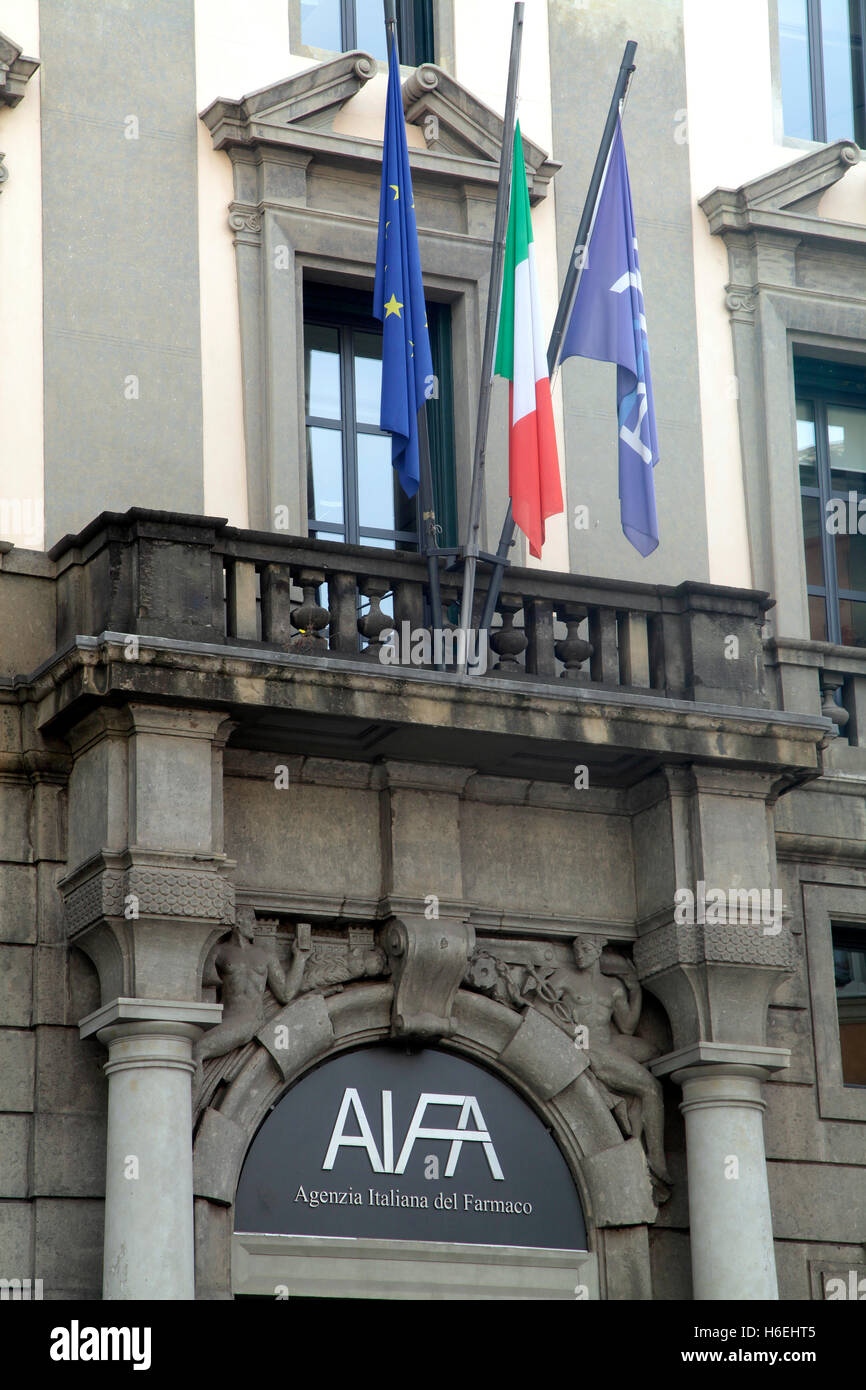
pixel 396 188
pixel 393 306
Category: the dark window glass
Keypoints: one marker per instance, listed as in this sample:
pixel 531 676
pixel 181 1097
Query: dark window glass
pixel 818 618
pixel 342 25
pixel 849 964
pixel 822 60
pixel 352 489
pixel 852 620
pixel 831 453
pixel 812 528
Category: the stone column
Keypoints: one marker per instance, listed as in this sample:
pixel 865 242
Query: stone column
pixel 729 1199
pixel 148 1181
pixel 147 895
pixel 715 942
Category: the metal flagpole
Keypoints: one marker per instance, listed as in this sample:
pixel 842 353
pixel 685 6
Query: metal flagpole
pixel 494 294
pixel 566 301
pixel 429 529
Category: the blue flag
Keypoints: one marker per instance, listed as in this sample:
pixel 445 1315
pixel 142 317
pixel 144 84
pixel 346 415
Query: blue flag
pixel 398 296
pixel 608 323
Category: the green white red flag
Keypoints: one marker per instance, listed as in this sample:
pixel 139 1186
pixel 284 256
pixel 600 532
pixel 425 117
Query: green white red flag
pixel 521 357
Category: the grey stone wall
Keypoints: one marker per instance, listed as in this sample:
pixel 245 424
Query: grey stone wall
pixel 52 1088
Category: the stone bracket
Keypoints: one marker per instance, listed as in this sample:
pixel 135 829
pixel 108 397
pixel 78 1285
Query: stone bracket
pixel 428 962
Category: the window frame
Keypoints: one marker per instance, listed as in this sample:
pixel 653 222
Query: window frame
pixel 815 57
pixel 819 397
pixel 338 307
pixel 826 906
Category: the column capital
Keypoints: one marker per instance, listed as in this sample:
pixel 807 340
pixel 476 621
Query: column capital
pixel 714 1057
pixel 126 1017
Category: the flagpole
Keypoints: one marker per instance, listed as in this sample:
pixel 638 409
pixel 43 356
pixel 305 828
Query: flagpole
pixel 566 301
pixel 429 529
pixel 494 294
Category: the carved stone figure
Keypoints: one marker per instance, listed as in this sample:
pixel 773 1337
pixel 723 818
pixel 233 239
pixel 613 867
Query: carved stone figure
pixel 601 1013
pixel 242 969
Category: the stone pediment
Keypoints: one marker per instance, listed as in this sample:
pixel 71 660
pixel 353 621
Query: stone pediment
pixel 308 99
pixel 463 136
pixel 455 121
pixel 786 199
pixel 15 71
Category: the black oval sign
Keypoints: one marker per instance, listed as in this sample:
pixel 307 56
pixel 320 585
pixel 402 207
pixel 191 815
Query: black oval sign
pixel 408 1146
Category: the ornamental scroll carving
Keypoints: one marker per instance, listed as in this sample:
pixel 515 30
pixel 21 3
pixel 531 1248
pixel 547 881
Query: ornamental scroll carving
pixel 595 998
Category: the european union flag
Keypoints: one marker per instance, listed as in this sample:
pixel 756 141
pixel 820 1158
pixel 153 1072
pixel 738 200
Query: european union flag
pixel 398 296
pixel 608 323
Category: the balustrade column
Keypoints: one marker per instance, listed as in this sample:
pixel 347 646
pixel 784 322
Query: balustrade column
pixel 508 641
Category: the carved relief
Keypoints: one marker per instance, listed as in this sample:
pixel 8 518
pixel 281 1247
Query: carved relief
pixel 158 892
pixel 246 964
pixel 596 999
pixel 245 220
pixel 742 301
pixel 428 962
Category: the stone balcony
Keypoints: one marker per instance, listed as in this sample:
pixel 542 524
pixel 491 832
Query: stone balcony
pixel 290 636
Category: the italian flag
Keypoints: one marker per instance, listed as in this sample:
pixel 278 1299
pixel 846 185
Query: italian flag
pixel 521 357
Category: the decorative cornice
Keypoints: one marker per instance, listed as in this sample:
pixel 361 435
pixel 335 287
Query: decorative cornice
pixel 673 945
pixel 106 885
pixel 295 116
pixel 785 200
pixel 15 73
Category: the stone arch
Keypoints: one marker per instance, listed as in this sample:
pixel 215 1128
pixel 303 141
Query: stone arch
pixel 526 1051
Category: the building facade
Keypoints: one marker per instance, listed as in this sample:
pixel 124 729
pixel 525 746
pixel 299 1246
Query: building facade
pixel 326 970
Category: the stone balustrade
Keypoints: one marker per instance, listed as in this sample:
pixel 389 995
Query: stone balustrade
pixel 820 678
pixel 197 579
